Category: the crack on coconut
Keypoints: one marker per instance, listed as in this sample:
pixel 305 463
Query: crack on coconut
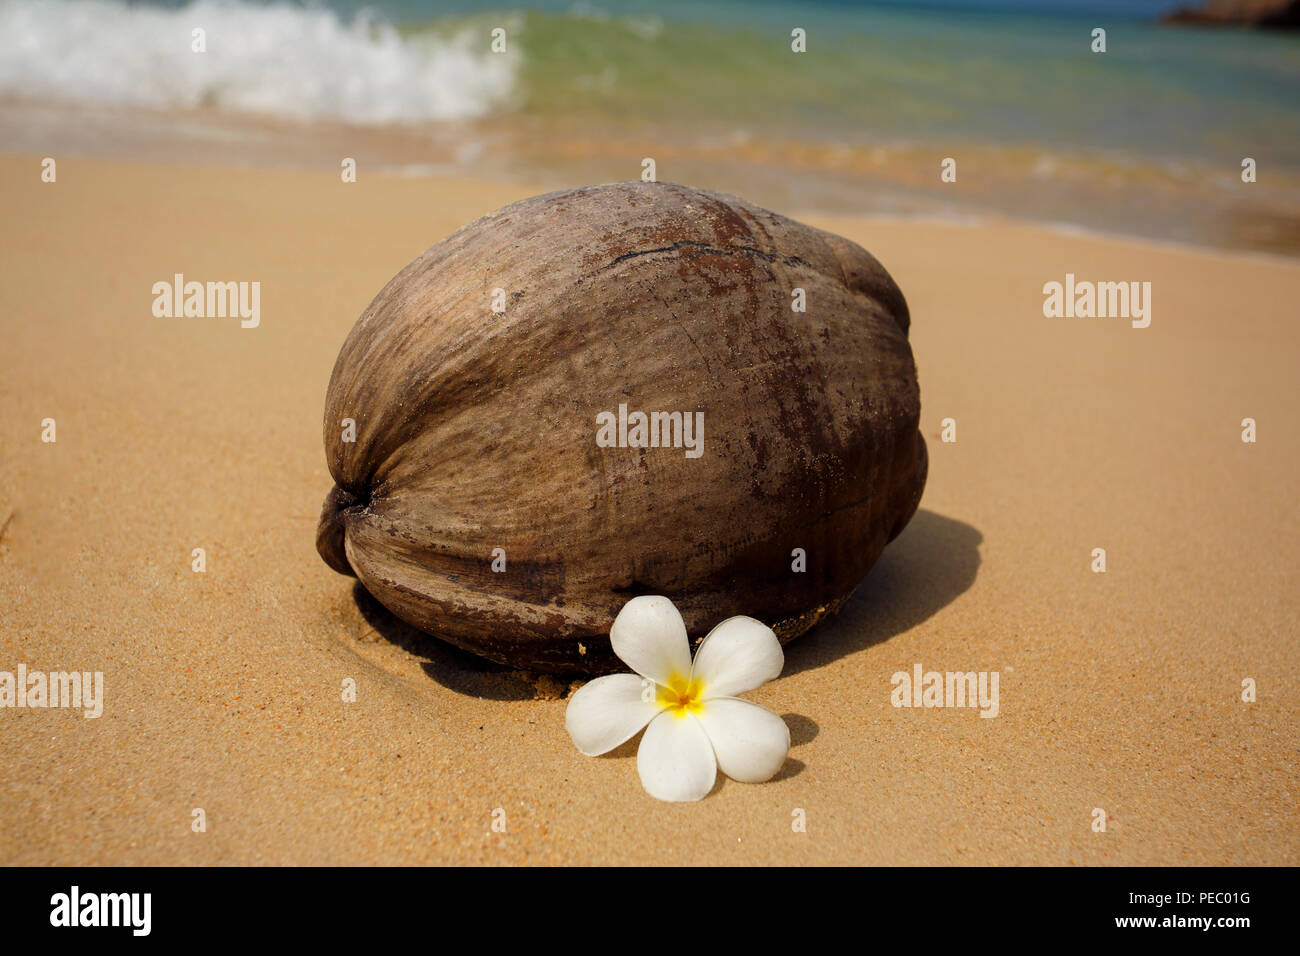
pixel 705 248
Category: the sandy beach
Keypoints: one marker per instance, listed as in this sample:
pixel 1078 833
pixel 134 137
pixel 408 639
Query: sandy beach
pixel 222 690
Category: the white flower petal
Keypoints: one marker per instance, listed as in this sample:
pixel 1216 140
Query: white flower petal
pixel 607 711
pixel 650 637
pixel 675 759
pixel 738 655
pixel 749 741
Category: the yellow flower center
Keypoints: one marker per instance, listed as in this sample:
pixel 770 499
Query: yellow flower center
pixel 682 696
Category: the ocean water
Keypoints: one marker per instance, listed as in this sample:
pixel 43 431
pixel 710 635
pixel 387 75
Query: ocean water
pixel 1147 138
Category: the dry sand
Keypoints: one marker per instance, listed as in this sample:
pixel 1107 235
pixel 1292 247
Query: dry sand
pixel 1119 690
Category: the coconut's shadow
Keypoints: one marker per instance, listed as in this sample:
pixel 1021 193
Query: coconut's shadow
pixel 921 572
pixel 453 668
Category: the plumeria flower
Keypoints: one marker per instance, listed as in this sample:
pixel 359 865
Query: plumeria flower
pixel 693 721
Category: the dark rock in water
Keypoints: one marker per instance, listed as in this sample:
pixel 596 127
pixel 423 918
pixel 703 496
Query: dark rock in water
pixel 503 491
pixel 1276 14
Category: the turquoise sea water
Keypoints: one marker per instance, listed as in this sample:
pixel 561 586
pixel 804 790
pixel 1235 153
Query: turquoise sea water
pixel 888 74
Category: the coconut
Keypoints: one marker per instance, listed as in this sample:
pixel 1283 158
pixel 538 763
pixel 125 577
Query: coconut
pixel 638 388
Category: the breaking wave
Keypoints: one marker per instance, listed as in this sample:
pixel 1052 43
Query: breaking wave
pixel 290 62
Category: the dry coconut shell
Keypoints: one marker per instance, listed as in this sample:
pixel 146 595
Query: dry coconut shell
pixel 490 497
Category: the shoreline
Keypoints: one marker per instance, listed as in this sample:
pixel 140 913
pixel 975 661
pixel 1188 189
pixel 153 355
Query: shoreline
pixel 526 184
pixel 1188 203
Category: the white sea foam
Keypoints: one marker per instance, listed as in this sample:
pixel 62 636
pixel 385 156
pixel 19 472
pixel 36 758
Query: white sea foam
pixel 284 61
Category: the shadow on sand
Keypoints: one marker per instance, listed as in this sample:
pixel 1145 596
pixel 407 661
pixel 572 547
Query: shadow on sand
pixel 924 570
pixel 454 669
